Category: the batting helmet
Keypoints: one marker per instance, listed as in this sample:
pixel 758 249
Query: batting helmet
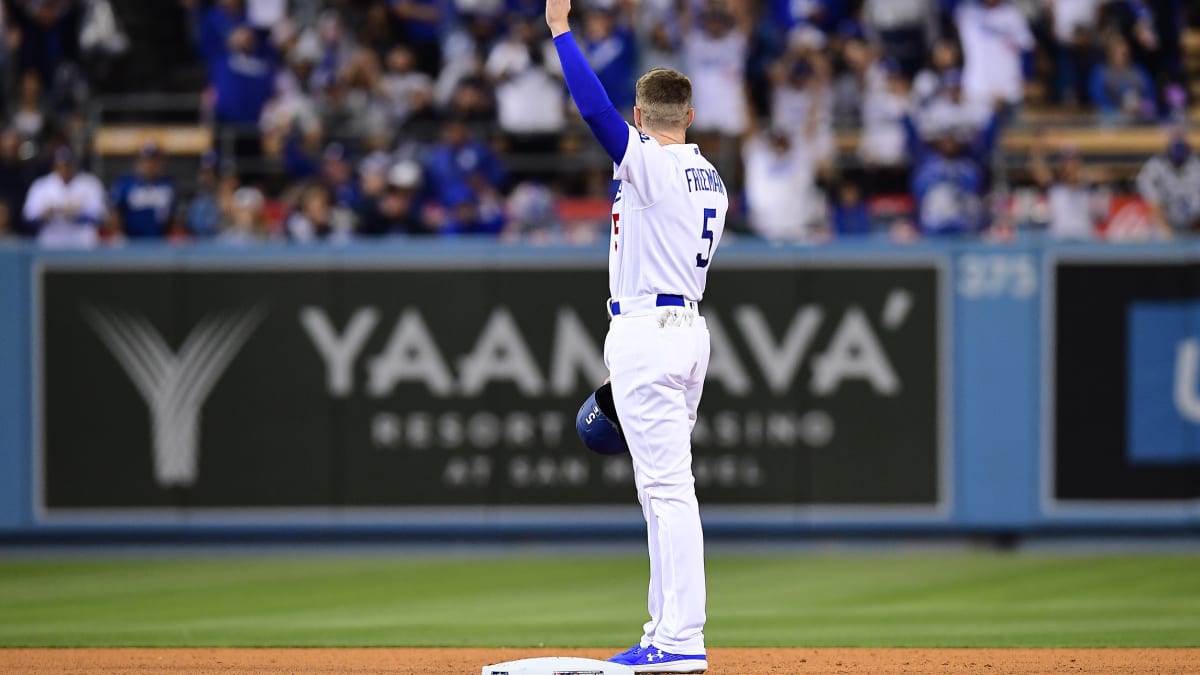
pixel 598 426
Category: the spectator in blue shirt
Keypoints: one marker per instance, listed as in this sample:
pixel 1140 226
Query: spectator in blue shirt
pixel 467 215
pixel 337 174
pixel 143 202
pixel 611 49
pixel 1153 28
pixel 203 217
pixel 851 216
pixel 244 78
pixel 949 176
pixel 460 161
pixel 301 152
pixel 1121 89
pixel 213 28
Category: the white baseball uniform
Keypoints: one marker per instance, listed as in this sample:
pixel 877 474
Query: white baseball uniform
pixel 68 213
pixel 668 217
pixel 993 39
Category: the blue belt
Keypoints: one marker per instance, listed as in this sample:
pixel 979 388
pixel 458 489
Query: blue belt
pixel 662 300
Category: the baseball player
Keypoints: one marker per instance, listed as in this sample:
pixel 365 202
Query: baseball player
pixel 667 220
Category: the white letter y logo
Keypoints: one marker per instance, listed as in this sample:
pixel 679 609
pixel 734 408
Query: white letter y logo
pixel 174 386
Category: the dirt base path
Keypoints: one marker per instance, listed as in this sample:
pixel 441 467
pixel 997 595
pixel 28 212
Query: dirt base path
pixel 471 661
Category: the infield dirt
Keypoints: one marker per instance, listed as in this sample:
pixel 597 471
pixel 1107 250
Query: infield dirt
pixel 470 661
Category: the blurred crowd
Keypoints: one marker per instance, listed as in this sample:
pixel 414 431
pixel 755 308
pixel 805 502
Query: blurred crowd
pixel 341 119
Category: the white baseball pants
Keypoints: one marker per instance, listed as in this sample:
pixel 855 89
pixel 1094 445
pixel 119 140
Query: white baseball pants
pixel 658 358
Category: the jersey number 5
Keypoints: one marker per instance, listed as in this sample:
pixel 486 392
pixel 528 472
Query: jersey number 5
pixel 702 259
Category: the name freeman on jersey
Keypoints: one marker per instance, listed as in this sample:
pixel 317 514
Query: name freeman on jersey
pixel 704 180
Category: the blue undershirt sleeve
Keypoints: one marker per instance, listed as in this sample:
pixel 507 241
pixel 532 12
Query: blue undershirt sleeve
pixel 594 105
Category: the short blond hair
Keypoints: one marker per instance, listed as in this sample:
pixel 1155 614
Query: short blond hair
pixel 665 98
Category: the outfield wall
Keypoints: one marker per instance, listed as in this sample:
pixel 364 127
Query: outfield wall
pixel 431 388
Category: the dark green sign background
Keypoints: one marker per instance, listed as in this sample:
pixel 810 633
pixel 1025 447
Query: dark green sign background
pixel 791 415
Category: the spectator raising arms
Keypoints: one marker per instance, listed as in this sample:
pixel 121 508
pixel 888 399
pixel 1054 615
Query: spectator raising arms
pixel 997 49
pixel 529 91
pixel 610 48
pixel 66 206
pixel 471 94
pixel 949 179
pixel 802 97
pixel 883 139
pixel 782 198
pixel 244 80
pixel 714 59
pixel 212 33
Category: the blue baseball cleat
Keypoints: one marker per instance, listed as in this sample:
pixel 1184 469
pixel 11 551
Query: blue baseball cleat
pixel 654 660
pixel 627 657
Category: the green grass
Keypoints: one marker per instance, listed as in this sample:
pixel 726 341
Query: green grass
pixel 967 600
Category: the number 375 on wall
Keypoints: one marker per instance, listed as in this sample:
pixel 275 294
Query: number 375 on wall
pixel 997 276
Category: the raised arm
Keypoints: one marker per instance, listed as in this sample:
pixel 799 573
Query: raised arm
pixel 989 136
pixel 594 105
pixel 912 138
